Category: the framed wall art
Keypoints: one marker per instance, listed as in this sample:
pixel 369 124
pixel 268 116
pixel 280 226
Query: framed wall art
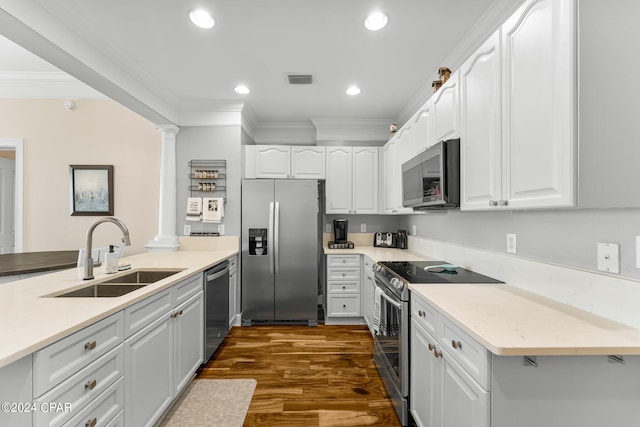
pixel 91 188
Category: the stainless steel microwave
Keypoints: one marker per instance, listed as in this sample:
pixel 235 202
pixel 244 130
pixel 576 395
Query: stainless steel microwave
pixel 431 180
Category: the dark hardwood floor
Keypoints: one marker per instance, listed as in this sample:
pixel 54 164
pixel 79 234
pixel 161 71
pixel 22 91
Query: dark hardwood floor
pixel 307 376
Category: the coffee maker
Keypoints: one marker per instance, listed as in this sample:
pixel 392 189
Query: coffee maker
pixel 340 227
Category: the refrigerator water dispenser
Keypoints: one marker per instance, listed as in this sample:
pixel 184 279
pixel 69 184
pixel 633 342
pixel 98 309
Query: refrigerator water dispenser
pixel 257 241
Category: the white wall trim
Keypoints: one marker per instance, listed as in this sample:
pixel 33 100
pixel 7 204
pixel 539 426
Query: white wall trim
pixel 18 146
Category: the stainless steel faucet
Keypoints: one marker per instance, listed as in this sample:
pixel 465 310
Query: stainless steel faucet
pixel 88 261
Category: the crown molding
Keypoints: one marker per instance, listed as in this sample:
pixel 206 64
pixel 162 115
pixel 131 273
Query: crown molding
pixel 197 112
pixel 287 133
pixel 44 85
pixel 351 129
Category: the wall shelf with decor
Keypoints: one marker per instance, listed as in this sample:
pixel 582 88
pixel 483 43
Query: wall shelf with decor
pixel 208 178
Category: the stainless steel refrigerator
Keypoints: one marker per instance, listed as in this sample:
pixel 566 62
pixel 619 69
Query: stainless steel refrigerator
pixel 280 250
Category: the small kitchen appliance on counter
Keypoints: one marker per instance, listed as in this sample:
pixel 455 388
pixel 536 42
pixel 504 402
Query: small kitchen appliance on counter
pixel 390 240
pixel 340 227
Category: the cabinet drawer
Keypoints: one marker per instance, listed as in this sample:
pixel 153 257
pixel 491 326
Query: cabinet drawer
pixel 343 305
pixel 469 353
pixel 425 315
pixel 343 274
pixel 117 421
pixel 343 260
pixel 187 288
pixel 342 287
pixel 80 389
pixel 146 311
pixel 102 409
pixel 60 360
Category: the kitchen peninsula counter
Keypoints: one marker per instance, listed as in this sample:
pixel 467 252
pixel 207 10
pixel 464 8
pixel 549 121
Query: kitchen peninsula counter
pixel 36 262
pixel 29 320
pixel 509 321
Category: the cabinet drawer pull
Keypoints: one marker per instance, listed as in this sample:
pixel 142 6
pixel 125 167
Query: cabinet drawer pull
pixel 456 344
pixel 343 261
pixel 344 305
pixel 430 347
pixel 344 274
pixel 90 345
pixel 91 423
pixel 493 203
pixel 420 313
pixel 90 385
pixel 437 353
pixel 344 287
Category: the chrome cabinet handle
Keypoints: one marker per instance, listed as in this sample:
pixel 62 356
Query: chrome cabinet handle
pixel 456 344
pixel 90 345
pixel 420 313
pixel 91 423
pixel 493 203
pixel 503 203
pixel 90 385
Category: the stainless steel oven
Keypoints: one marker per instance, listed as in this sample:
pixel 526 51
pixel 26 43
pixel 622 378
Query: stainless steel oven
pixel 391 339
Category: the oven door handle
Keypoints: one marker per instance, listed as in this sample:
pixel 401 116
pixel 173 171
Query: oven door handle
pixel 392 302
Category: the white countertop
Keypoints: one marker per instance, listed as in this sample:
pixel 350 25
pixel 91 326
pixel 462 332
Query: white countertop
pixel 29 321
pixel 509 321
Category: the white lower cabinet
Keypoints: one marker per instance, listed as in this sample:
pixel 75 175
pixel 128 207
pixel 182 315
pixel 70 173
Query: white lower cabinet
pixel 148 364
pixel 456 382
pixel 344 305
pixel 368 291
pixel 16 386
pixel 162 357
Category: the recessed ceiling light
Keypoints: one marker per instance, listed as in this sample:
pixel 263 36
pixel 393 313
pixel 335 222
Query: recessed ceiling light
pixel 202 18
pixel 376 21
pixel 242 89
pixel 353 90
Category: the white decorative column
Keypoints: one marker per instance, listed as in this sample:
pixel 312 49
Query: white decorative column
pixel 167 239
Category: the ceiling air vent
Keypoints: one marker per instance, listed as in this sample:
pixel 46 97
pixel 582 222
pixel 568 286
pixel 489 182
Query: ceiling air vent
pixel 300 79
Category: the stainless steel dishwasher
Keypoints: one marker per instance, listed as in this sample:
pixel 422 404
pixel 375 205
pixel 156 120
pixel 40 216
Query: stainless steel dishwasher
pixel 216 307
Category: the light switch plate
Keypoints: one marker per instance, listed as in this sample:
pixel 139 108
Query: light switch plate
pixel 221 229
pixel 363 228
pixel 414 230
pixel 609 257
pixel 187 230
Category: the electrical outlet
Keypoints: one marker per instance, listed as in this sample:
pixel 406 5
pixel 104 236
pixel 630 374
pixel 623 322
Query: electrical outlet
pixel 187 230
pixel 414 230
pixel 327 228
pixel 221 229
pixel 363 228
pixel 512 246
pixel 609 257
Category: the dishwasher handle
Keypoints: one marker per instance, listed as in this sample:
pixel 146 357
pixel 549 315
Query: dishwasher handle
pixel 217 274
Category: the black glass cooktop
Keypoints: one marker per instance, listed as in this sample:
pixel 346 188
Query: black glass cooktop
pixel 414 272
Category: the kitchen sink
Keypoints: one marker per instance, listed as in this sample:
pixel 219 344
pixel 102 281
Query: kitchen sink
pixel 103 291
pixel 120 285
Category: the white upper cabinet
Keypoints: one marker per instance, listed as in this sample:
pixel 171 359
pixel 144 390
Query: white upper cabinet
pixel 338 185
pixel 397 151
pixel 352 180
pixel 422 121
pixel 308 162
pixel 272 161
pixel 539 105
pixel 365 180
pixel 445 110
pixel 518 112
pixel 480 131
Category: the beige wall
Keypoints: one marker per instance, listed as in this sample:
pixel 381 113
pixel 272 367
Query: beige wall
pixel 98 132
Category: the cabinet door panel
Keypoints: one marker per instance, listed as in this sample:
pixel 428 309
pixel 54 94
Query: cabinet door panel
pixel 481 138
pixel 273 162
pixel 188 340
pixel 426 379
pixel 539 115
pixel 389 153
pixel 365 180
pixel 465 402
pixel 445 110
pixel 338 184
pixel 308 162
pixel 423 128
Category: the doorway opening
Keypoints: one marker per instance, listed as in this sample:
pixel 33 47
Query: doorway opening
pixel 11 195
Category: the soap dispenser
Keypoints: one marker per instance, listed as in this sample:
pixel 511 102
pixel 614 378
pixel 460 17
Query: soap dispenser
pixel 111 261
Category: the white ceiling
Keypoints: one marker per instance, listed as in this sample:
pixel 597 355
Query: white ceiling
pixel 255 42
